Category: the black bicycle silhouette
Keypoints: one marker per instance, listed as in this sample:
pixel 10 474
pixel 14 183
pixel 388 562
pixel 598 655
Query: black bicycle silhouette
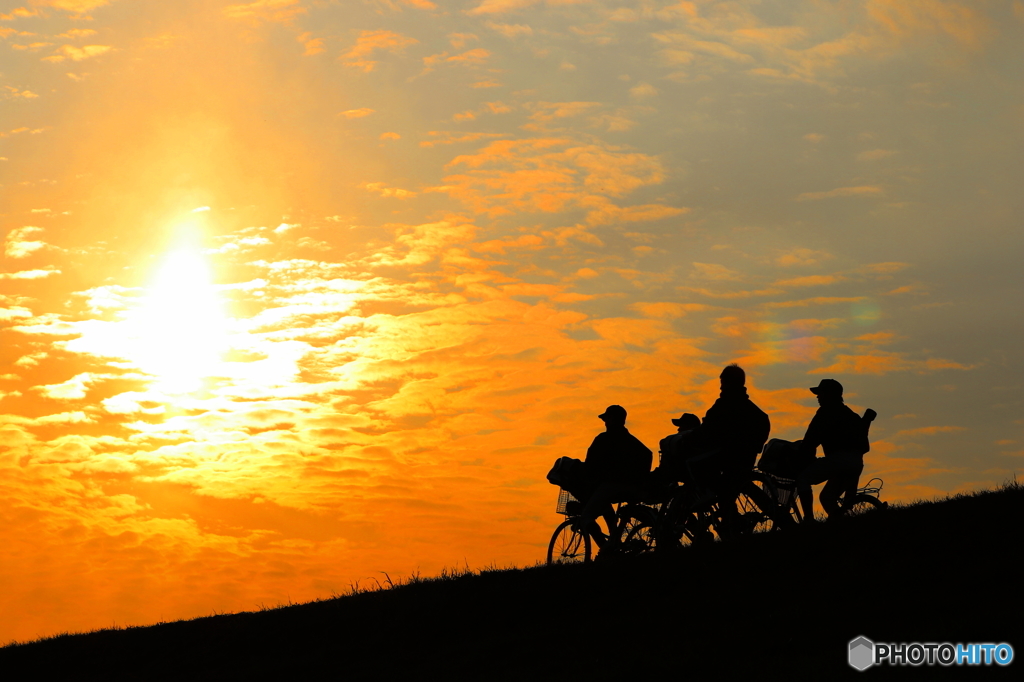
pixel 666 519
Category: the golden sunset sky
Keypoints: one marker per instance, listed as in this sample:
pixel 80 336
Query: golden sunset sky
pixel 295 292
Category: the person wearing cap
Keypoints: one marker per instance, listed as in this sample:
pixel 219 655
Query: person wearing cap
pixel 843 437
pixel 617 464
pixel 675 447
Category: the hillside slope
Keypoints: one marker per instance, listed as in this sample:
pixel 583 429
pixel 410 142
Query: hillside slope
pixel 780 606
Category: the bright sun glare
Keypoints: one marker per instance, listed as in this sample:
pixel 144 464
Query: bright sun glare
pixel 182 326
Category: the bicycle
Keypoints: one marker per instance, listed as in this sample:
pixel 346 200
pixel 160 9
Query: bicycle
pixel 570 545
pixel 783 491
pixel 693 515
pixel 699 517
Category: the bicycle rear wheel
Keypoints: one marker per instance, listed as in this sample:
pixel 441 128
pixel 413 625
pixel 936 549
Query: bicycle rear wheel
pixel 568 546
pixel 864 503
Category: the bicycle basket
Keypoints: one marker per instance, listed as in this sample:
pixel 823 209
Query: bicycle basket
pixel 785 489
pixel 567 504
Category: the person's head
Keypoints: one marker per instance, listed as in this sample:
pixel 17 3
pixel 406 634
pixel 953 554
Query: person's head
pixel 687 422
pixel 615 415
pixel 733 376
pixel 828 390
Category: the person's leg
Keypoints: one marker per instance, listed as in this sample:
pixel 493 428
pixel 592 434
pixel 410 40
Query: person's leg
pixel 612 522
pixel 815 473
pixel 843 479
pixel 599 504
pixel 806 497
pixel 829 497
pixel 851 481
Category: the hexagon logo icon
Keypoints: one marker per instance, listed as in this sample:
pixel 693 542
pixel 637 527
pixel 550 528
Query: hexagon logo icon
pixel 862 653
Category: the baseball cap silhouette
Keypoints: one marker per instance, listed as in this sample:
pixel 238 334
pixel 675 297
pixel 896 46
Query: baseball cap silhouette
pixel 688 419
pixel 827 387
pixel 614 412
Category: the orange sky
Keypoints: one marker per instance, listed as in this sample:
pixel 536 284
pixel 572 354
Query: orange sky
pixel 295 292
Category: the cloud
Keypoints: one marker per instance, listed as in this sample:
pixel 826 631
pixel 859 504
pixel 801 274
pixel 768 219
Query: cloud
pixel 29 274
pixel 500 6
pixel 809 281
pixel 875 154
pixel 714 272
pixel 313 45
pixel 370 42
pixel 906 19
pixel 77 54
pixel 14 313
pixel 19 245
pixel 75 6
pixel 18 13
pixel 604 212
pixel 446 137
pixel 643 91
pixel 381 189
pixel 135 402
pixel 882 362
pixel 928 431
pixel 802 256
pixel 420 244
pixel 77 33
pixel 552 175
pixel 866 190
pixel 74 388
pixel 552 111
pixel 510 30
pixel 15 92
pixel 475 56
pixel 276 11
pixel 357 113
pixel 665 309
pixel 885 268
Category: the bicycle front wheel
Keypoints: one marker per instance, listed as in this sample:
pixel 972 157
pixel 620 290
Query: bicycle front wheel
pixel 636 528
pixel 682 525
pixel 756 506
pixel 568 546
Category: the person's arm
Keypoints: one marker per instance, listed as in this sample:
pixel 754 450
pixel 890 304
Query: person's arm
pixel 645 457
pixel 812 439
pixel 596 456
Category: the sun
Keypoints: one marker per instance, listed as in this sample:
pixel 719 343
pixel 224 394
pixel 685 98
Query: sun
pixel 181 325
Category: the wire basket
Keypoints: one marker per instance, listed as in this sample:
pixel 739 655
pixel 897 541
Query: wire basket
pixel 785 489
pixel 567 504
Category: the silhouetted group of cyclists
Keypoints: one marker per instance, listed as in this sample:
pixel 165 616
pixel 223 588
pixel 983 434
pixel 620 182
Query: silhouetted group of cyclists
pixel 720 452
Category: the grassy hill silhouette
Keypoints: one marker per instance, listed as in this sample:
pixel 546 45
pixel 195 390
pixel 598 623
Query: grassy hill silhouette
pixel 780 606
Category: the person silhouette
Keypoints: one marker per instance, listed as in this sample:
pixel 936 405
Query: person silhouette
pixel 616 466
pixel 675 448
pixel 735 429
pixel 843 437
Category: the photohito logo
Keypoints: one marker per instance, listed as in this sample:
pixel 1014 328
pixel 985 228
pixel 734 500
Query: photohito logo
pixel 863 653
